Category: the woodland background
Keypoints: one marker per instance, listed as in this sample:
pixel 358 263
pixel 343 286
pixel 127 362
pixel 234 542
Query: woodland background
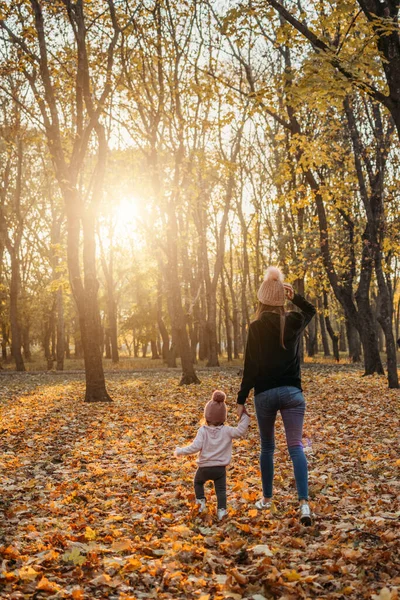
pixel 157 156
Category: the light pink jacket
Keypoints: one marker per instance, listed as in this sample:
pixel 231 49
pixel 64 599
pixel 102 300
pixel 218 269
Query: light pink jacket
pixel 215 443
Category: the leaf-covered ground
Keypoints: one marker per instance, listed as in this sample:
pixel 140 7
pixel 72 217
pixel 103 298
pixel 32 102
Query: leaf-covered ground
pixel 93 504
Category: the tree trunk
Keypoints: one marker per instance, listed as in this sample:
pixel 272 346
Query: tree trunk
pixel 78 350
pixel 60 330
pixel 112 321
pixel 324 335
pixel 353 342
pixel 312 338
pixel 154 352
pixel 53 334
pixel 16 341
pixel 4 341
pixel 227 319
pixel 194 334
pixel 86 298
pixel 67 345
pixel 26 342
pixel 342 338
pixel 372 359
pixel 203 334
pixel 107 343
pixel 212 331
pixel 177 315
pixel 164 336
pixel 48 328
pixel 334 337
pixel 385 319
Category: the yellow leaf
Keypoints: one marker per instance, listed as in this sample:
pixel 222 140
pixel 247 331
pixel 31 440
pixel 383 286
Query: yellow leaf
pixel 121 545
pixel 291 575
pixel 253 512
pixel 90 534
pixel 48 586
pixel 133 564
pixel 27 573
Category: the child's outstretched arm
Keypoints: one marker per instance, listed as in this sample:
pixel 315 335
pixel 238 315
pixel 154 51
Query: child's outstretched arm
pixel 241 430
pixel 194 447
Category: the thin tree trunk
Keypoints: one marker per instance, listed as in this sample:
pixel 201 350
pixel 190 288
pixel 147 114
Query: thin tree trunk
pixel 342 338
pixel 322 324
pixel 16 341
pixel 60 330
pixel 154 352
pixel 312 338
pixel 334 337
pixel 4 341
pixel 353 342
pixel 107 343
pixel 228 332
pixel 67 344
pixel 86 299
pixel 26 342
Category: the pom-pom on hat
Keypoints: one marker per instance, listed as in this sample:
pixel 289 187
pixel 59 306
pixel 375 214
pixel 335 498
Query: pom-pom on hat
pixel 215 409
pixel 271 291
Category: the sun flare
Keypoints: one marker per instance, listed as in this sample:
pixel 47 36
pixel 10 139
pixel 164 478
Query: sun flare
pixel 127 212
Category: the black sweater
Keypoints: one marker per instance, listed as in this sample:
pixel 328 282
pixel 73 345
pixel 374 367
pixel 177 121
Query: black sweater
pixel 266 364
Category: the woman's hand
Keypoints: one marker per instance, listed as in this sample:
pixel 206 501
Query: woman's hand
pixel 241 410
pixel 289 291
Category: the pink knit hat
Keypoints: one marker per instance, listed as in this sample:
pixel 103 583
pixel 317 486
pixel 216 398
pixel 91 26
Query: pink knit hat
pixel 215 409
pixel 271 291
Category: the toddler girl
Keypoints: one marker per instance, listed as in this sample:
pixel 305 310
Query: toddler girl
pixel 214 442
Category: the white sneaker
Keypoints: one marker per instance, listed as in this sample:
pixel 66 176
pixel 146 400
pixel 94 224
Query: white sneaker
pixel 261 505
pixel 201 504
pixel 221 513
pixel 305 515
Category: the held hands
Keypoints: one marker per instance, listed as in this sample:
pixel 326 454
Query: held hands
pixel 176 452
pixel 241 410
pixel 289 291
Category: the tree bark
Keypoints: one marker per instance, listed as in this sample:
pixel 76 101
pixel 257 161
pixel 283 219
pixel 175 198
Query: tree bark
pixel 342 338
pixel 227 319
pixel 107 343
pixel 322 324
pixel 4 342
pixel 16 341
pixel 154 351
pixel 372 197
pixel 334 337
pixel 312 338
pixel 85 296
pixel 353 341
pixel 26 342
pixel 60 330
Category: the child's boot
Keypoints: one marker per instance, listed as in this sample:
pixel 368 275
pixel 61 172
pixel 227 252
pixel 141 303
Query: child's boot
pixel 221 513
pixel 201 502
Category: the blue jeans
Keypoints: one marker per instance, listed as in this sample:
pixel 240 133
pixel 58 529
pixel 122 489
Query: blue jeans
pixel 290 401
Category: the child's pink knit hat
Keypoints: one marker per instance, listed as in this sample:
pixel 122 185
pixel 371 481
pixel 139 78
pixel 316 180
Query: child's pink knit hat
pixel 215 409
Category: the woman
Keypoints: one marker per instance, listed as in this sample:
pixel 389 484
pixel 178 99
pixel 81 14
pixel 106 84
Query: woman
pixel 272 368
